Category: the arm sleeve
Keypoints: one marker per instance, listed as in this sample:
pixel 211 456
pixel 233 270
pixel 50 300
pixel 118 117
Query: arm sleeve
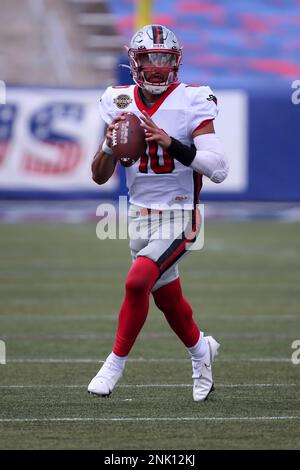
pixel 203 107
pixel 105 107
pixel 210 159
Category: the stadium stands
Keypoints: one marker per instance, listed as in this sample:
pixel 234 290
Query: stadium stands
pixel 79 42
pixel 45 42
pixel 229 43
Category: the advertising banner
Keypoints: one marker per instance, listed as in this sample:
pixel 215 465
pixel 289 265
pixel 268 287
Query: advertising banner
pixel 48 138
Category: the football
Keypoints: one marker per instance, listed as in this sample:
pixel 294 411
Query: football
pixel 128 141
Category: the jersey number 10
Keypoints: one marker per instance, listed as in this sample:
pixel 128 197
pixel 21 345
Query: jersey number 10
pixel 152 153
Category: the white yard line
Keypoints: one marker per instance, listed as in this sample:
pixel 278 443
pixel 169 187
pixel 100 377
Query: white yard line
pixel 143 419
pixel 145 336
pixel 99 317
pixel 86 336
pixel 51 360
pixel 61 386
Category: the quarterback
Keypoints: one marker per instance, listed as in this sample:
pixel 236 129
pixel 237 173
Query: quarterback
pixel 182 146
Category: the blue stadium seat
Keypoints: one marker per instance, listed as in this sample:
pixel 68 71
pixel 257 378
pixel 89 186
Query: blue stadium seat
pixel 229 43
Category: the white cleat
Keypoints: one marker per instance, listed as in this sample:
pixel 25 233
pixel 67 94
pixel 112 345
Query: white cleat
pixel 202 371
pixel 104 382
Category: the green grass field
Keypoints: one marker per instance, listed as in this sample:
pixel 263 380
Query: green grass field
pixel 60 292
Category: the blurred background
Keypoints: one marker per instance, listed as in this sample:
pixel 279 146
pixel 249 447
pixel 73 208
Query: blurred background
pixel 61 288
pixel 58 56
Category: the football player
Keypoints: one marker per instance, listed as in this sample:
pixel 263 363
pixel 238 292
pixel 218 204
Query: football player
pixel 181 147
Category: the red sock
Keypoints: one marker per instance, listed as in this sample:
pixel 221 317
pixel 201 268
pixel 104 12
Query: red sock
pixel 178 312
pixel 140 279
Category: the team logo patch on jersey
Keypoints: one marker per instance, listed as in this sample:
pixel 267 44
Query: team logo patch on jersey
pixel 212 98
pixel 122 101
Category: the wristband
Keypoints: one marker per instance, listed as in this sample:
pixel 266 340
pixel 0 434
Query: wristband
pixel 106 148
pixel 183 153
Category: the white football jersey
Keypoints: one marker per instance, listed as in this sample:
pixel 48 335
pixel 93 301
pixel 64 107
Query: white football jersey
pixel 156 180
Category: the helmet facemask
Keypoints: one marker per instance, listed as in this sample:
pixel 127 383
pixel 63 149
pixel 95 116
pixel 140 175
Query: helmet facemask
pixel 154 69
